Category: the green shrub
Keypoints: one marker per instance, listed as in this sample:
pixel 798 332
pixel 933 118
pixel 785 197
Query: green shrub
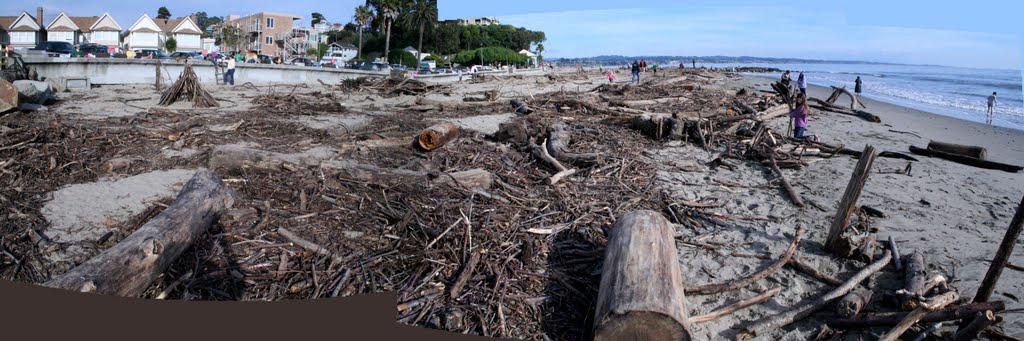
pixel 490 55
pixel 403 57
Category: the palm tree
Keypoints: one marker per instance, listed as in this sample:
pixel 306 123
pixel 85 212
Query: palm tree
pixel 421 14
pixel 540 49
pixel 388 9
pixel 362 16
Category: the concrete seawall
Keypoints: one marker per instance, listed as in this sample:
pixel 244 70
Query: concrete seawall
pixel 112 71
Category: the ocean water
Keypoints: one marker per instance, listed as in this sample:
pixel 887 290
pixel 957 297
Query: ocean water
pixel 950 91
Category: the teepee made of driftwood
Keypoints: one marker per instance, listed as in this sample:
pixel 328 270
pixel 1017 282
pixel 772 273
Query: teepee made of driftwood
pixel 188 85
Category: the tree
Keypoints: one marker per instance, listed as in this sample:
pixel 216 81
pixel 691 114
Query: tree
pixel 229 36
pixel 170 44
pixel 317 18
pixel 163 13
pixel 362 16
pixel 389 10
pixel 540 49
pixel 421 13
pixel 404 57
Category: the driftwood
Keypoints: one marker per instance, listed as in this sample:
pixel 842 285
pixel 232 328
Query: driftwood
pixel 559 138
pixel 731 285
pixel 466 273
pixel 521 106
pixel 895 254
pixel 641 292
pixel 822 105
pixel 868 320
pixel 315 248
pixel 128 268
pixel 187 85
pixel 848 203
pixel 970 161
pixel 914 280
pixel 541 154
pixel 799 265
pixel 970 332
pixel 919 313
pixel 793 195
pixel 1002 255
pixel 976 152
pixel 437 135
pixel 773 112
pixel 836 92
pixel 808 307
pixel 732 308
pixel 649 102
pixel 852 303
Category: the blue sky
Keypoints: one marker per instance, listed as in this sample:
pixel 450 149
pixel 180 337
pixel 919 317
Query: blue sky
pixel 974 34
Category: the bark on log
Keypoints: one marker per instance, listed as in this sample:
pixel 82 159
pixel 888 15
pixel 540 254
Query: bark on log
pixel 559 138
pixel 971 331
pixel 869 320
pixel 848 203
pixel 128 268
pixel 799 265
pixel 853 303
pixel 731 285
pixel 437 135
pixel 641 293
pixel 773 112
pixel 976 152
pixel 729 309
pixel 914 280
pixel 1002 255
pixel 970 161
pixel 808 307
pixel 919 313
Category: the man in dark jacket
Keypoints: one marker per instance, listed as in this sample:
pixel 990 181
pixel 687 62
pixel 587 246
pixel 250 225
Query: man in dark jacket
pixel 636 73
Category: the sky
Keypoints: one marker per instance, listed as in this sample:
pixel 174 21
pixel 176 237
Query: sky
pixel 985 34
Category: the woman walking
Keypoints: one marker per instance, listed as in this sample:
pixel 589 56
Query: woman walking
pixel 802 82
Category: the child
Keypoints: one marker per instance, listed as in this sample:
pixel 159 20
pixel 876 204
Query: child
pixel 611 77
pixel 799 115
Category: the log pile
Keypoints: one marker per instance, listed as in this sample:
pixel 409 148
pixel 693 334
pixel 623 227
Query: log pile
pixel 188 86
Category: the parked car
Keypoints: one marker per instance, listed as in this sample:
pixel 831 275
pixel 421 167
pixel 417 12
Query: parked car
pixel 187 55
pixel 375 67
pixel 265 59
pixel 56 48
pixel 304 61
pixel 358 65
pixel 100 51
pixel 155 54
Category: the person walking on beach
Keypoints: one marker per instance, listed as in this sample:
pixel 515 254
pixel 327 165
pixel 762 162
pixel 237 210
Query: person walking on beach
pixel 802 83
pixel 857 86
pixel 611 77
pixel 799 115
pixel 636 73
pixel 229 75
pixel 991 107
pixel 785 78
pixel 695 63
pixel 643 66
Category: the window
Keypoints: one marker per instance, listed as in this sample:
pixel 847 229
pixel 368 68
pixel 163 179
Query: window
pixel 144 39
pixel 187 40
pixel 104 37
pixel 270 22
pixel 61 36
pixel 22 37
pixel 270 40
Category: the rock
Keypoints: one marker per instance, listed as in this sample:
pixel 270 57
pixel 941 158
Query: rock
pixel 55 85
pixel 8 96
pixel 34 91
pixel 30 107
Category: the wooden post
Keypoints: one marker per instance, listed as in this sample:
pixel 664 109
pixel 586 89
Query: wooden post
pixel 129 267
pixel 849 201
pixel 914 280
pixel 158 77
pixel 641 292
pixel 1002 256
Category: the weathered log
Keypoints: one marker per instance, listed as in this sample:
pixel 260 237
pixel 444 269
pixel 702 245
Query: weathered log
pixel 746 109
pixel 871 211
pixel 858 113
pixel 809 306
pixel 737 284
pixel 649 102
pixel 914 279
pixel 895 254
pixel 773 112
pixel 799 265
pixel 793 195
pixel 976 152
pixel 520 106
pixel 128 268
pixel 970 332
pixel 641 292
pixel 859 247
pixel 853 303
pixel 437 135
pixel 559 138
pixel 848 203
pixel 970 161
pixel 938 303
pixel 868 320
pixel 988 285
pixel 854 101
pixel 466 273
pixel 729 309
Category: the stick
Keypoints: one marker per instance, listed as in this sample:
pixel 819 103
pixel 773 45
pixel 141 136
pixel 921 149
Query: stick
pixel 917 314
pixel 868 320
pixel 309 246
pixel 895 254
pixel 729 309
pixel 1002 256
pixel 785 183
pixel 731 285
pixel 808 307
pixel 848 203
pixel 971 331
pixel 799 265
pixel 467 271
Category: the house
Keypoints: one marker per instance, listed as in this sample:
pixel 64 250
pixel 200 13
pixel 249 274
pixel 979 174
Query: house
pixel 264 32
pixel 341 52
pixel 475 21
pixel 413 50
pixel 184 31
pixel 23 31
pixel 102 30
pixel 531 55
pixel 144 34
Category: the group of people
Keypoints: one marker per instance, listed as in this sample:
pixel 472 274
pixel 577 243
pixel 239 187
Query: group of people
pixel 798 111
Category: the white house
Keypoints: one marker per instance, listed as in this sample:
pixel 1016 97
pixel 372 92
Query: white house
pixel 147 33
pixel 102 30
pixel 143 34
pixel 341 52
pixel 413 50
pixel 531 55
pixel 23 31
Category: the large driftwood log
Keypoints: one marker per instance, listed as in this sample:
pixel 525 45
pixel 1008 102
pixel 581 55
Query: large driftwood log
pixel 559 138
pixel 822 105
pixel 854 101
pixel 914 279
pixel 128 268
pixel 970 161
pixel 971 331
pixel 808 307
pixel 848 203
pixel 868 320
pixel 437 135
pixel 731 285
pixel 773 112
pixel 1002 255
pixel 976 152
pixel 853 303
pixel 650 102
pixel 919 313
pixel 641 292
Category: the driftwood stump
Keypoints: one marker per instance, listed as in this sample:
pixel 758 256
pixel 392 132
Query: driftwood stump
pixel 129 267
pixel 641 293
pixel 436 136
pixel 1002 256
pixel 848 203
pixel 976 152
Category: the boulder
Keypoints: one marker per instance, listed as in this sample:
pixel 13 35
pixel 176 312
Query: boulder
pixel 34 91
pixel 8 96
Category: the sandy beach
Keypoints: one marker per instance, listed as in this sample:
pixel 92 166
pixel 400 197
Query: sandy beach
pixel 953 214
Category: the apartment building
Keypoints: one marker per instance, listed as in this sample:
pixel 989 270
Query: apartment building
pixel 264 32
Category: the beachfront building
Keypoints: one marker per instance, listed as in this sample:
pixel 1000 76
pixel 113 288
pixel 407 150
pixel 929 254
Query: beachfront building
pixel 531 55
pixel 261 32
pixel 144 34
pixel 185 32
pixel 102 30
pixel 476 21
pixel 22 31
pixel 341 52
pixel 413 50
